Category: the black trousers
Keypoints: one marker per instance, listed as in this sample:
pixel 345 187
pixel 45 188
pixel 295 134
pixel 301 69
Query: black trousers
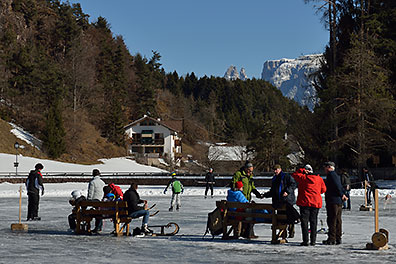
pixel 209 185
pixel 33 205
pixel 309 215
pixel 334 222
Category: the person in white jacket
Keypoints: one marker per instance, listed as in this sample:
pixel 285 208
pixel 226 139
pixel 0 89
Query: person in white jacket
pixel 95 186
pixel 95 193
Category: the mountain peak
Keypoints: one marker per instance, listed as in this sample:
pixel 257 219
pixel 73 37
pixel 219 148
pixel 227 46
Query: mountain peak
pixel 232 74
pixel 293 77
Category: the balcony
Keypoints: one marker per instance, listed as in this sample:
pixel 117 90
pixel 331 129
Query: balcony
pixel 148 141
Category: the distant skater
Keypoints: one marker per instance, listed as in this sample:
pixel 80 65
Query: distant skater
pixel 177 189
pixel 34 184
pixel 210 181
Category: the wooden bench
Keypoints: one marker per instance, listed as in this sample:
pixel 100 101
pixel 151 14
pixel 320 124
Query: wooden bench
pixel 86 211
pixel 252 213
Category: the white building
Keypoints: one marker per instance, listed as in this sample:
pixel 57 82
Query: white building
pixel 154 138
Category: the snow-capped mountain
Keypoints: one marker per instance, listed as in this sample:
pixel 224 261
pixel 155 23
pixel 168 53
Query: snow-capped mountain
pixel 293 77
pixel 232 74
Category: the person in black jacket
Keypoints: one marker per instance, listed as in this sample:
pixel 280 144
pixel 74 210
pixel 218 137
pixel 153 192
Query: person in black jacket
pixel 334 197
pixel 134 209
pixel 34 184
pixel 210 181
pixel 282 192
pixel 368 178
pixel 346 184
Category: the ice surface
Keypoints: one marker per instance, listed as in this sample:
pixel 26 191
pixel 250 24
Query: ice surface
pixel 49 241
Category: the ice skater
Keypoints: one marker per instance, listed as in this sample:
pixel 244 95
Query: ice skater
pixel 210 181
pixel 34 184
pixel 177 189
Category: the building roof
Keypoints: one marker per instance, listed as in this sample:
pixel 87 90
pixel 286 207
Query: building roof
pixel 173 125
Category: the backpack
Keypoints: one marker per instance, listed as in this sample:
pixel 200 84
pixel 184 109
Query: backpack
pixel 117 191
pixel 176 185
pixel 215 223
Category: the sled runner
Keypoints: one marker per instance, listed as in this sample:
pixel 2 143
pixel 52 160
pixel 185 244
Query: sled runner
pixel 155 213
pixel 170 229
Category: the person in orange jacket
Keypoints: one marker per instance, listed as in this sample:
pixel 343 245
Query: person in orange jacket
pixel 309 199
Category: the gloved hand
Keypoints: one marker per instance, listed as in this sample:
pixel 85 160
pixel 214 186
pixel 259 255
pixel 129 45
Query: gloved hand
pixel 42 192
pixel 164 192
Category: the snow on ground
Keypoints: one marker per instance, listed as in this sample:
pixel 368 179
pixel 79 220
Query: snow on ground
pixel 26 136
pixel 104 165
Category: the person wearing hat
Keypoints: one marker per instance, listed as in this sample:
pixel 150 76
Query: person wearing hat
pixel 334 197
pixel 309 199
pixel 282 192
pixel 76 198
pixel 210 181
pixel 177 189
pixel 245 175
pixel 95 186
pixel 236 194
pixel 34 184
pixel 95 193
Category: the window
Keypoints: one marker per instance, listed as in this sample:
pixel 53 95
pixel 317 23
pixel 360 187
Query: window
pixel 147 122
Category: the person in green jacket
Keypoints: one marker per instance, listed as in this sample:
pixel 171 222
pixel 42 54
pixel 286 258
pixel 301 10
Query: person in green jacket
pixel 245 175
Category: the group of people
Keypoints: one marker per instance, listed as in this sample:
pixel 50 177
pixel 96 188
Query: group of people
pixel 99 191
pixel 310 188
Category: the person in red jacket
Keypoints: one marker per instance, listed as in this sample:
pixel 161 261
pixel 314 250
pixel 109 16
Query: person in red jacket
pixel 309 199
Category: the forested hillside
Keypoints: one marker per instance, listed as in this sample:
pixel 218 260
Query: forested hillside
pixel 75 85
pixel 62 77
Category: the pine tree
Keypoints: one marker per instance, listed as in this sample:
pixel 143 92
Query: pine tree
pixel 366 109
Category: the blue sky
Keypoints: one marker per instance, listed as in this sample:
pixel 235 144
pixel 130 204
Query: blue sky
pixel 207 36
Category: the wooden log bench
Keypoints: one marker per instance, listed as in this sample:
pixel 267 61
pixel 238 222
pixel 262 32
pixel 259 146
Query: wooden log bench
pixel 253 213
pixel 86 211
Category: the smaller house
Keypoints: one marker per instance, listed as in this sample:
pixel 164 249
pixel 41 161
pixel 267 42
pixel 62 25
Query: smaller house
pixel 154 138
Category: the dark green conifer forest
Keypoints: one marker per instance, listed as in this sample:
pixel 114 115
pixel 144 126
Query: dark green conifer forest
pixel 60 73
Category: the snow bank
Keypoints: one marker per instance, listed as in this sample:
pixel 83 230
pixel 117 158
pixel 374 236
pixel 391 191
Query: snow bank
pixel 107 165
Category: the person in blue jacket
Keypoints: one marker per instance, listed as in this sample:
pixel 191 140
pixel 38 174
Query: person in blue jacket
pixel 237 194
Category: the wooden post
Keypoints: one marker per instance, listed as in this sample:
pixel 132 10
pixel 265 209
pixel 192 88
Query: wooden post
pixel 365 193
pixel 20 203
pixel 376 210
pixel 381 236
pixel 365 206
pixel 19 226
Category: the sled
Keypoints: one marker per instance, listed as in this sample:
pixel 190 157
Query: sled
pixel 169 229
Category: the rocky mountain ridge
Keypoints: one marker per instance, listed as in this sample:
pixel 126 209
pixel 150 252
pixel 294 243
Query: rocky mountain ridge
pixel 294 77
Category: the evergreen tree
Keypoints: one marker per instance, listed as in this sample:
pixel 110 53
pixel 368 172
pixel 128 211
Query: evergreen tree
pixel 365 113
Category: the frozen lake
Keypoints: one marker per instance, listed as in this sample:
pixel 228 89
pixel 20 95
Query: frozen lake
pixel 49 241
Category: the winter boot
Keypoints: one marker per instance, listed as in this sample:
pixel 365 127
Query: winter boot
pixel 146 230
pixel 171 209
